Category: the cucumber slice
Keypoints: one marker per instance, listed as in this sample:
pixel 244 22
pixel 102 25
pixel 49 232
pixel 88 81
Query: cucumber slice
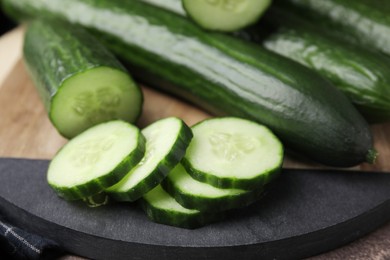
pixel 193 194
pixel 233 153
pixel 166 143
pixel 96 159
pixel 225 15
pixel 160 207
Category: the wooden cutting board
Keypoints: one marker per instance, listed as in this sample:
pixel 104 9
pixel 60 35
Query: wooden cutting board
pixel 25 131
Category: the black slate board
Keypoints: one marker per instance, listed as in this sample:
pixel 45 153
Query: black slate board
pixel 306 212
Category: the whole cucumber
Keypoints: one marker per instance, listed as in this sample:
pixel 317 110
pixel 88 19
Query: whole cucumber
pixel 222 74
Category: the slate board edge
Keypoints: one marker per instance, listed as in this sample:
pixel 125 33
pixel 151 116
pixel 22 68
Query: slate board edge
pixel 302 246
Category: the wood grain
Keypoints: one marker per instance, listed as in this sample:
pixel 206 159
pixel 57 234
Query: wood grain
pixel 25 131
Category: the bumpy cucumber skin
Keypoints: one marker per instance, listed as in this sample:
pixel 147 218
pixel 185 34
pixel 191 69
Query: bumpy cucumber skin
pixel 99 184
pixel 55 51
pixel 162 169
pixel 365 22
pixel 177 219
pixel 305 111
pixel 361 74
pixel 211 204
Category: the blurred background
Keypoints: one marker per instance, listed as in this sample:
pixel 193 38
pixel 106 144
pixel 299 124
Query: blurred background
pixel 5 23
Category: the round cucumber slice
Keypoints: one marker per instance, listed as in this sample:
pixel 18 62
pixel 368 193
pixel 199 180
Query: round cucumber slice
pixel 94 96
pixel 160 207
pixel 166 142
pixel 225 15
pixel 232 153
pixel 194 194
pixel 96 159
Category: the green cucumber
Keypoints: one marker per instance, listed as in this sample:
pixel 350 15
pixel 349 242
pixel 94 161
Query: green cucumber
pixel 96 159
pixel 166 142
pixel 223 75
pixel 365 22
pixel 225 15
pixel 233 153
pixel 80 82
pixel 363 75
pixel 160 207
pixel 194 194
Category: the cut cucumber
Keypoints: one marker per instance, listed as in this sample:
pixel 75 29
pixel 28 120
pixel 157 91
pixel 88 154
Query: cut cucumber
pixel 193 194
pixel 225 15
pixel 80 82
pixel 233 153
pixel 166 143
pixel 160 207
pixel 96 159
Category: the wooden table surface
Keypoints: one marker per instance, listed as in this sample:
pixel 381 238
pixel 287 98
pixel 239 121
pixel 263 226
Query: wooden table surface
pixel 25 131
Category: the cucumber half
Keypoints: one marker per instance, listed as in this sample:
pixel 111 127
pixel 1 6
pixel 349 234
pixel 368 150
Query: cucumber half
pixel 193 194
pixel 233 153
pixel 160 207
pixel 166 143
pixel 225 15
pixel 80 82
pixel 96 159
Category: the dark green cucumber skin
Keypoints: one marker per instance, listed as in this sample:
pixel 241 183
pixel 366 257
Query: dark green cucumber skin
pixel 98 185
pixel 162 169
pixel 173 218
pixel 302 108
pixel 211 204
pixel 363 75
pixel 365 22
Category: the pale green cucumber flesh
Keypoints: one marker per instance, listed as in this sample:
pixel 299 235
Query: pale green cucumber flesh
pixel 233 153
pixel 225 15
pixel 94 96
pixel 166 142
pixel 191 193
pixel 96 159
pixel 160 207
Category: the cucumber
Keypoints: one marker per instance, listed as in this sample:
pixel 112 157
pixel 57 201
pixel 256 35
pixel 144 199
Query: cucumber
pixel 363 75
pixel 160 207
pixel 166 142
pixel 364 22
pixel 225 15
pixel 233 153
pixel 193 194
pixel 80 82
pixel 96 159
pixel 223 75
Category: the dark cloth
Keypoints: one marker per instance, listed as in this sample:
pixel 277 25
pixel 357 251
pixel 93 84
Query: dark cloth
pixel 19 244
